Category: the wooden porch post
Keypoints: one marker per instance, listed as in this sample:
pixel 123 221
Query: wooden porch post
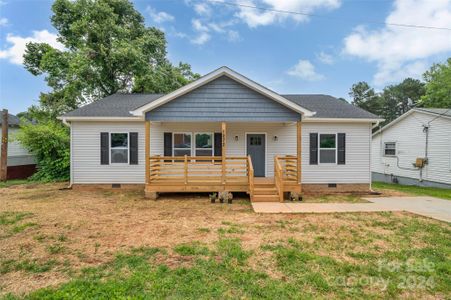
pixel 147 152
pixel 299 150
pixel 223 152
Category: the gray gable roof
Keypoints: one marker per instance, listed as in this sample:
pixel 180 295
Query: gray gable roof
pixel 12 120
pixel 116 105
pixel 327 106
pixel 120 105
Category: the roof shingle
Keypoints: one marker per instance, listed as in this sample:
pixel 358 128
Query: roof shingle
pixel 120 105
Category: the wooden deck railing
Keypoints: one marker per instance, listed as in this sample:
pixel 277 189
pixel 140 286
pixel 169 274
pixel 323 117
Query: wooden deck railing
pixel 289 167
pixel 278 177
pixel 250 173
pixel 200 170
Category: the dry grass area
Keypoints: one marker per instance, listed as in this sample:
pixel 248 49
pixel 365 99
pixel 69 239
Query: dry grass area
pixel 49 234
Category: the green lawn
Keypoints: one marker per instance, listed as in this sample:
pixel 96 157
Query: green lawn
pixel 4 184
pixel 414 190
pixel 75 244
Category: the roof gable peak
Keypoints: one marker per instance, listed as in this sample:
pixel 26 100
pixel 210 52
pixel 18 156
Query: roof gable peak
pixel 222 71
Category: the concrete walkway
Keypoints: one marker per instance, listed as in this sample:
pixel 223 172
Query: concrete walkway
pixel 426 206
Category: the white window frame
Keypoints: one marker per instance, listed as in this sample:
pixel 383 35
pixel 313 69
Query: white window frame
pixel 212 143
pixel 128 148
pixel 173 144
pixel 389 155
pixel 335 149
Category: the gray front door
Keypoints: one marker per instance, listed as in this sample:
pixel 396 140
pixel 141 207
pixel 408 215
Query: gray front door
pixel 256 149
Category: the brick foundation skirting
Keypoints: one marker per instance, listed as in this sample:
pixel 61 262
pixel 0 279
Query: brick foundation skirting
pixel 340 188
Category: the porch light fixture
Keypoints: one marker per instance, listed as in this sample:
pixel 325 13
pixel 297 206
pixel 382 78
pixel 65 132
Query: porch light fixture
pixel 275 138
pixel 236 138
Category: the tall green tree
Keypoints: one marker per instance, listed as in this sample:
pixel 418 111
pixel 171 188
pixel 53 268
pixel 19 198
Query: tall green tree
pixel 108 49
pixel 365 97
pixel 399 98
pixel 438 86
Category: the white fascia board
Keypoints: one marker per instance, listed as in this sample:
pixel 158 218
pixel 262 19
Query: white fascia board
pixel 101 119
pixel 403 116
pixel 340 120
pixel 212 76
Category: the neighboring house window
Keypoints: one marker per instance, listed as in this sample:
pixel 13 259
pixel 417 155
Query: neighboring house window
pixel 182 144
pixel 119 148
pixel 390 149
pixel 327 148
pixel 204 144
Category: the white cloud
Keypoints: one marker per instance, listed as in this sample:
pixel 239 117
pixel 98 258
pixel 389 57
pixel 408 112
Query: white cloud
pixel 255 17
pixel 204 31
pixel 3 22
pixel 233 36
pixel 202 9
pixel 399 51
pixel 201 39
pixel 17 49
pixel 198 26
pixel 159 16
pixel 304 69
pixel 325 58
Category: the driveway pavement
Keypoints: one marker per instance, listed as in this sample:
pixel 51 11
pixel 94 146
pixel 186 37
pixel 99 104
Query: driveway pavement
pixel 426 206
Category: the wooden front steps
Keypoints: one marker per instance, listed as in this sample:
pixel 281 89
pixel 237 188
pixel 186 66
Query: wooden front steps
pixel 265 191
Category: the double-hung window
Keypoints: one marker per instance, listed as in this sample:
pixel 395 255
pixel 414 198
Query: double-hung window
pixel 182 143
pixel 119 148
pixel 327 148
pixel 204 144
pixel 389 149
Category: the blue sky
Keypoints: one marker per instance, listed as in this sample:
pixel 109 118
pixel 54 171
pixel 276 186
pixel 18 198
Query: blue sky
pixel 288 53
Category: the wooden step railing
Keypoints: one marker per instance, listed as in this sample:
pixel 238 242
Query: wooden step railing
pixel 285 173
pixel 202 170
pixel 278 177
pixel 250 173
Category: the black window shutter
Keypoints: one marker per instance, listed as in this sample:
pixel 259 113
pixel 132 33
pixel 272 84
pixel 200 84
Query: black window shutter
pixel 313 148
pixel 218 144
pixel 168 144
pixel 341 148
pixel 133 148
pixel 104 148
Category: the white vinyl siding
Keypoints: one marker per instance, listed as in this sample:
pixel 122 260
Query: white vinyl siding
pixel 410 141
pixel 357 167
pixel 17 154
pixel 285 144
pixel 86 167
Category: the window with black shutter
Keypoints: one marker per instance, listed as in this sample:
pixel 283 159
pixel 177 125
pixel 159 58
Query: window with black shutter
pixel 313 148
pixel 341 148
pixel 104 148
pixel 133 148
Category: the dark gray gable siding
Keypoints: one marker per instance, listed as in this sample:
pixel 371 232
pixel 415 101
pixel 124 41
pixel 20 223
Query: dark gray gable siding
pixel 223 99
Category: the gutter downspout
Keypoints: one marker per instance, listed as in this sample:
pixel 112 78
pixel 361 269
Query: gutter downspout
pixel 65 122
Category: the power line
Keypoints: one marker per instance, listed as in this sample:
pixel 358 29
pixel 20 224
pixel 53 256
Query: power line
pixel 325 17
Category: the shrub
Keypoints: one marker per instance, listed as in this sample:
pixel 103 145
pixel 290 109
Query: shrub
pixel 49 142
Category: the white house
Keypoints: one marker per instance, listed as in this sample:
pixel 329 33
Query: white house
pixel 21 164
pixel 222 132
pixel 423 133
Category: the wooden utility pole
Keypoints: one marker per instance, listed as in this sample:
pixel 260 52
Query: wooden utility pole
pixel 4 153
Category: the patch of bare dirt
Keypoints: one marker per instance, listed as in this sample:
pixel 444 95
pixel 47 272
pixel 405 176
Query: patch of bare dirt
pixel 80 228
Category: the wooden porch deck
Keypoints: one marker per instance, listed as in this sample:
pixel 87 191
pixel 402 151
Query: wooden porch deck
pixel 221 173
pixel 217 174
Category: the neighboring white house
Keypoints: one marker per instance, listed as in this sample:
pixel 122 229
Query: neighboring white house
pixel 21 164
pixel 423 133
pixel 316 141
